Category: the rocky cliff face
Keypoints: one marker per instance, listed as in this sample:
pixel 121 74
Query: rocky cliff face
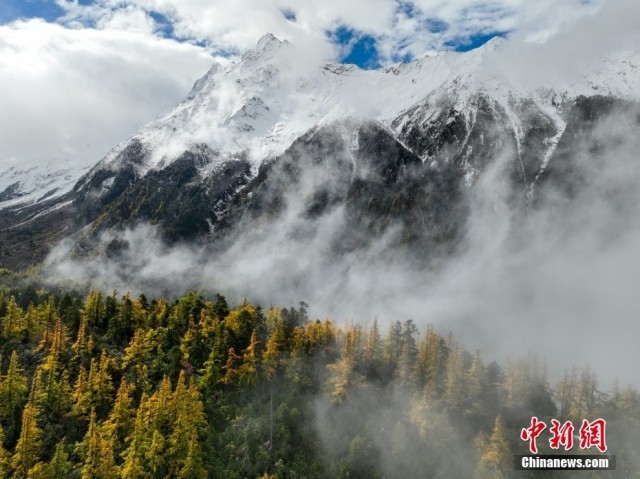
pixel 389 154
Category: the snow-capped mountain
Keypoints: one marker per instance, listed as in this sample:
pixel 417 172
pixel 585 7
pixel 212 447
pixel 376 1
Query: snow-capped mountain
pixel 261 104
pixel 23 185
pixel 411 136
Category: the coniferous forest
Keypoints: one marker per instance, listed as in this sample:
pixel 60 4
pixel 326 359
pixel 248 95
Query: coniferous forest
pixel 104 385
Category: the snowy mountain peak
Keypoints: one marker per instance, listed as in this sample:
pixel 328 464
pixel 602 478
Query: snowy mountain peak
pixel 493 44
pixel 256 107
pixel 203 81
pixel 268 40
pixel 266 47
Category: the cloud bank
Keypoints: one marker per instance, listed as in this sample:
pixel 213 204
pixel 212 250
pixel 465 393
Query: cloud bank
pixel 68 95
pixel 557 279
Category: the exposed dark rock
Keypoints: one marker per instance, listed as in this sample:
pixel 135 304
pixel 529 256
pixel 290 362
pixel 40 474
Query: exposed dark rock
pixel 10 192
pixel 408 183
pixel 579 142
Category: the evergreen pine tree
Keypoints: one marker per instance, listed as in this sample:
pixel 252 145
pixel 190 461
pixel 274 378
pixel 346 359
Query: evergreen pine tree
pixel 4 458
pixel 495 455
pixel 121 418
pixel 96 451
pixel 12 320
pixel 58 468
pixel 13 390
pixel 134 456
pixel 29 446
pixel 188 424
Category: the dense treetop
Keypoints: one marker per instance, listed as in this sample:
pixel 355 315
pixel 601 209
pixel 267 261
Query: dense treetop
pixel 112 386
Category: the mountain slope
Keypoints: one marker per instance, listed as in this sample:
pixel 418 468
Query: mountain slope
pixel 389 151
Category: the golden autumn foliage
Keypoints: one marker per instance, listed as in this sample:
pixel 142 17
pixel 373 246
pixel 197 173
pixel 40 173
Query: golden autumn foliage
pixel 131 388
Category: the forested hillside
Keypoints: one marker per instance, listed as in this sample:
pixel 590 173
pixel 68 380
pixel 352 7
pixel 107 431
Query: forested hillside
pixel 111 386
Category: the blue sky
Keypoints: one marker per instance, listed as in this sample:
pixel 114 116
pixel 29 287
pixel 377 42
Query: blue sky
pixel 16 9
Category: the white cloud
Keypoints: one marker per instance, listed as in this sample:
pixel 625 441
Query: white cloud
pixel 603 33
pixel 127 20
pixel 71 94
pixel 401 27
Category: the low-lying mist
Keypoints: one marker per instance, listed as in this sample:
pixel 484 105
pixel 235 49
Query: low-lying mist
pixel 558 277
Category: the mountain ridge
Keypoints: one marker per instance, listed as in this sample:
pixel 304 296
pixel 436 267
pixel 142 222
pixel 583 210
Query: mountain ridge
pixel 451 110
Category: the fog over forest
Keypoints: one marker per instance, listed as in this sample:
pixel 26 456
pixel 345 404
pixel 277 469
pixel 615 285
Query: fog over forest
pixel 556 277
